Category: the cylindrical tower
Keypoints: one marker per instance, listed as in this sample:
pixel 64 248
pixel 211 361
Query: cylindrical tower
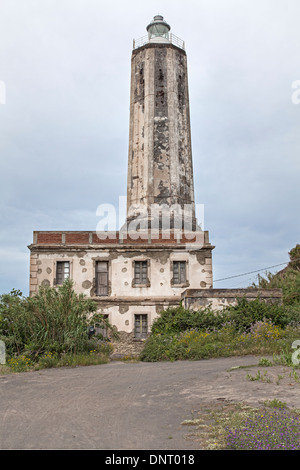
pixel 160 169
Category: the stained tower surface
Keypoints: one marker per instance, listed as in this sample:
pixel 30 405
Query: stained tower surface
pixel 160 168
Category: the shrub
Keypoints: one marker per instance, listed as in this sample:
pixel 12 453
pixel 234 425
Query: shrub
pixel 246 313
pixel 14 321
pixel 265 330
pixel 176 320
pixel 52 321
pixel 240 317
pixel 20 363
pixel 250 327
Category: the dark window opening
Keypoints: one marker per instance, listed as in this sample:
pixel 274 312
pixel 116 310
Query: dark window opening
pixel 102 278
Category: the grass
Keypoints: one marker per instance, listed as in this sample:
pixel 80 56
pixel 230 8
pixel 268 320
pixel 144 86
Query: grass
pixel 49 360
pixel 263 339
pixel 259 376
pixel 237 426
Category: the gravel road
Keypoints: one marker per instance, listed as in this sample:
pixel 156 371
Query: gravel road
pixel 123 405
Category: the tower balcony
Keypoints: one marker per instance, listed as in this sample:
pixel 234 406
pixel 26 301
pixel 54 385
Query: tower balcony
pixel 170 38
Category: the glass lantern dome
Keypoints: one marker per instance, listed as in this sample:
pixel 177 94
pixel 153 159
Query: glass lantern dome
pixel 158 30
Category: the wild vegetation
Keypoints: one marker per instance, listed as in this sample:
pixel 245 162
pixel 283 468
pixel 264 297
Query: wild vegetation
pixel 51 329
pixel 254 327
pixel 247 328
pixel 238 426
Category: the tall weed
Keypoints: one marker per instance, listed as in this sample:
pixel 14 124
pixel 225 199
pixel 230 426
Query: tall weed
pixel 52 321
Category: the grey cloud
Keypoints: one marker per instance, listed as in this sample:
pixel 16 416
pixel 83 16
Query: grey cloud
pixel 64 127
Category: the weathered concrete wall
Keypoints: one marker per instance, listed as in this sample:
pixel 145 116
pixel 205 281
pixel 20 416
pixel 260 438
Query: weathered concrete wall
pixel 125 299
pixel 195 299
pixel 121 270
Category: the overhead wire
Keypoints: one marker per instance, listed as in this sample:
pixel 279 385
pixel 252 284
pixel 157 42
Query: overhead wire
pixel 257 271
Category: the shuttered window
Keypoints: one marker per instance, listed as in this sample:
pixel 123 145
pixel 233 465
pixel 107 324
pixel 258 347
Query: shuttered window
pixel 102 278
pixel 62 271
pixel 179 272
pixel 140 326
pixel 140 272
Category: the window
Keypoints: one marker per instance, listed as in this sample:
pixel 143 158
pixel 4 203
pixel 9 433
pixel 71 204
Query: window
pixel 140 326
pixel 102 330
pixel 62 271
pixel 140 272
pixel 102 278
pixel 179 272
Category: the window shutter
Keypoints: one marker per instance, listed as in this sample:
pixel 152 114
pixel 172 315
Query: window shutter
pixel 182 272
pixel 176 272
pixel 179 272
pixel 101 278
pixel 137 277
pixel 141 326
pixel 144 272
pixel 59 273
pixel 62 271
pixel 140 272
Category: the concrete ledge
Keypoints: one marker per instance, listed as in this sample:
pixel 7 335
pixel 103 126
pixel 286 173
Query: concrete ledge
pixel 64 239
pixel 194 299
pixel 248 293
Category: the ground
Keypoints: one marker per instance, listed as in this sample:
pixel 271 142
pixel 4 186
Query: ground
pixel 123 405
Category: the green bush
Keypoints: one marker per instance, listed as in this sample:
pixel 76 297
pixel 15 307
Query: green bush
pixel 240 316
pixel 176 320
pixel 245 313
pixel 249 327
pixel 52 321
pixel 287 279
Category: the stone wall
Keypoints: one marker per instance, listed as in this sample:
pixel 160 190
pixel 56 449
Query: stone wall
pixel 195 299
pixel 127 345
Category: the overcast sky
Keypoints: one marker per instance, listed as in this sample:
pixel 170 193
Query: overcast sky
pixel 64 126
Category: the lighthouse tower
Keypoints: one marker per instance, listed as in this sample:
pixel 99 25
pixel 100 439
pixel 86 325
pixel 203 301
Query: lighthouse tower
pixel 160 169
pixel 131 277
pixel 135 273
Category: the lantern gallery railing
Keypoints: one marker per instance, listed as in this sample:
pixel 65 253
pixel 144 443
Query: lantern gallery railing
pixel 176 41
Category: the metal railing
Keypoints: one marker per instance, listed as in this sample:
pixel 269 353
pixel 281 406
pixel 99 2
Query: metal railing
pixel 140 42
pixel 176 41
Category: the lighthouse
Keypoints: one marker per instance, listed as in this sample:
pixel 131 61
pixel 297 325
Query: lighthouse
pixel 135 273
pixel 160 168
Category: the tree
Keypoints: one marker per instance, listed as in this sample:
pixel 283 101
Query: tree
pixel 288 279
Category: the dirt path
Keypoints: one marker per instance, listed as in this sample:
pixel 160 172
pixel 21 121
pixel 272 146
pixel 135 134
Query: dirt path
pixel 128 405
